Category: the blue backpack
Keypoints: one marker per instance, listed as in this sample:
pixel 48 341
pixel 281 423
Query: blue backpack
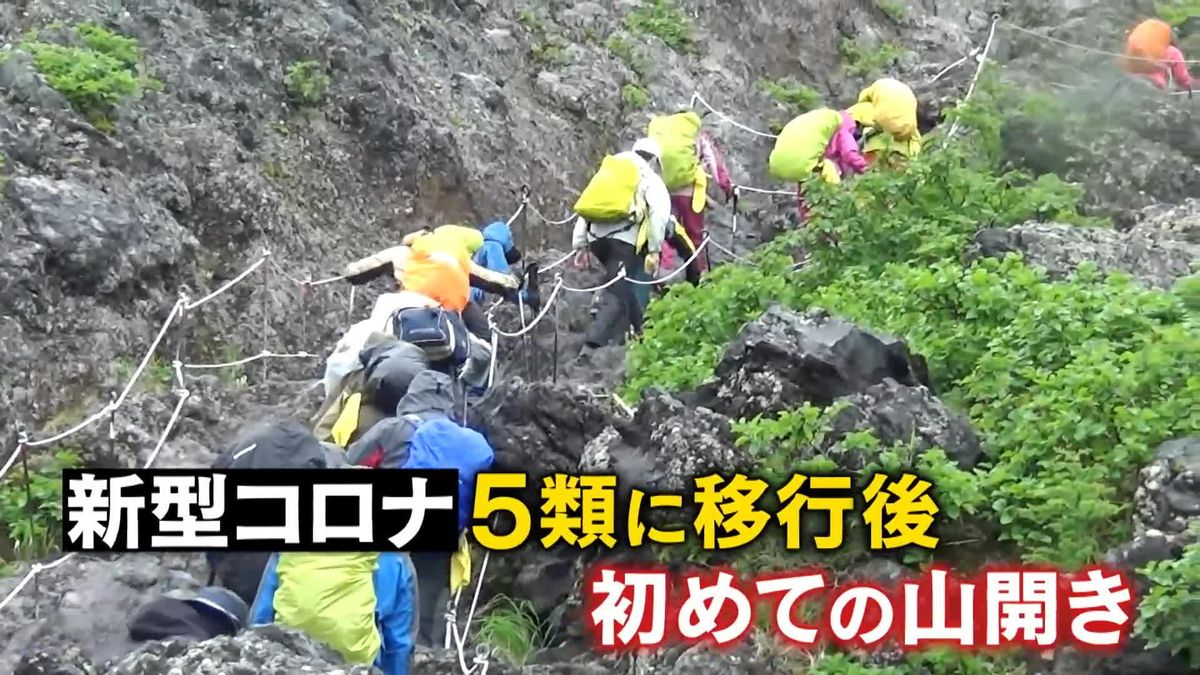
pixel 439 443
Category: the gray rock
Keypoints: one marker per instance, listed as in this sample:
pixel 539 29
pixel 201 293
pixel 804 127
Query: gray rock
pixel 784 359
pixel 1156 257
pixel 902 414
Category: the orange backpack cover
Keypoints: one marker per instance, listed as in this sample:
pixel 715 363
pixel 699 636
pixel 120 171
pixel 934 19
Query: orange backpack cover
pixel 1146 47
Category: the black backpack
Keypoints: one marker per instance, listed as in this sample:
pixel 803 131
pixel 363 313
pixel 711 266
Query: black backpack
pixel 285 444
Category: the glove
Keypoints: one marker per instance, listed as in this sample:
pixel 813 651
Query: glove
pixel 581 259
pixel 652 263
pixel 728 190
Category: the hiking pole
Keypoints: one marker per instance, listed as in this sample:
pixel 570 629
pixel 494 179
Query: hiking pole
pixel 554 375
pixel 737 191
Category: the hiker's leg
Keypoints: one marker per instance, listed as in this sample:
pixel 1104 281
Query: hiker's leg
pixel 628 292
pixel 693 224
pixel 610 318
pixel 433 574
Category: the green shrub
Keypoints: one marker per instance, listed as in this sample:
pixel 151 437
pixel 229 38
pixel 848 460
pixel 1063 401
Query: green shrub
pixel 868 61
pixel 630 55
pixel 1175 12
pixel 1071 383
pixel 1167 614
pixel 31 511
pixel 634 97
pixel 306 82
pixel 893 8
pixel 94 78
pixel 665 20
pixel 513 629
pixel 798 98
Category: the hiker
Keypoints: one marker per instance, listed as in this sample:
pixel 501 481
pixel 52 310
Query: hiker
pixel 359 604
pixel 423 435
pixel 689 159
pixel 822 141
pixel 887 111
pixel 385 369
pixel 1150 53
pixel 345 356
pixel 624 215
pixel 212 611
pixel 438 265
pixel 281 444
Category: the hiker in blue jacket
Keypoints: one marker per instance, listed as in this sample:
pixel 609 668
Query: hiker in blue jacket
pixel 497 254
pixel 424 435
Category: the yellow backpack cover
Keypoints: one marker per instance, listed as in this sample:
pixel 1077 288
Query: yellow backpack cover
pixel 331 598
pixel 801 144
pixel 893 107
pixel 609 196
pixel 676 135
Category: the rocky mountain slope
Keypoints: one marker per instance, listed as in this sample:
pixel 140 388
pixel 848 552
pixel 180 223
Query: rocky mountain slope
pixel 439 112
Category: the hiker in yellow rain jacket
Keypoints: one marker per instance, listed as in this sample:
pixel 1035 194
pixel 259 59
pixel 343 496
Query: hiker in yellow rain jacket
pixel 624 218
pixel 690 159
pixel 822 142
pixel 887 110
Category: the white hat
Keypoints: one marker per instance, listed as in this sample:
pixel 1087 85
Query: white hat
pixel 648 146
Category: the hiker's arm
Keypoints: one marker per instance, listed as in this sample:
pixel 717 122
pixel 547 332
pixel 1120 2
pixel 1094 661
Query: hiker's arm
pixel 492 282
pixel 263 611
pixel 658 203
pixel 396 625
pixel 373 266
pixel 579 234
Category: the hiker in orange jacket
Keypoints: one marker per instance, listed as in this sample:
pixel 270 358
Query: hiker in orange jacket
pixel 1151 54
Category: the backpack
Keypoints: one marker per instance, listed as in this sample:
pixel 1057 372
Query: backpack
pixel 609 196
pixel 801 144
pixel 440 334
pixel 435 443
pixel 331 598
pixel 893 107
pixel 273 445
pixel 1146 46
pixel 440 443
pixel 676 135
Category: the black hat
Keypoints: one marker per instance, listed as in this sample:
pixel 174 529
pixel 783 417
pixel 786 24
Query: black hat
pixel 222 603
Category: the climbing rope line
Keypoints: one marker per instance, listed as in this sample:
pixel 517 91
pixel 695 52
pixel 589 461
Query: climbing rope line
pixel 248 359
pixel 37 568
pixel 697 97
pixel 983 56
pixel 682 267
pixel 1080 47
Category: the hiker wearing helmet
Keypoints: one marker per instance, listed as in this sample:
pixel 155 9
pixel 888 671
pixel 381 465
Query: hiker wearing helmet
pixel 624 216
pixel 822 141
pixel 689 160
pixel 1150 53
pixel 887 111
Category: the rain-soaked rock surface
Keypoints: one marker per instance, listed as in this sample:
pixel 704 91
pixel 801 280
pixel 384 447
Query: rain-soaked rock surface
pixel 1151 253
pixel 784 359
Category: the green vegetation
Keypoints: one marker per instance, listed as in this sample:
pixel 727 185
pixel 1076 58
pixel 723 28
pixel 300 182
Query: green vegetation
pixel 31 510
pixel 513 629
pixel 1175 12
pixel 547 50
pixel 1167 615
pixel 893 8
pixel 798 98
pixel 629 53
pixel 664 19
pixel 95 70
pixel 634 97
pixel 306 82
pixel 1071 383
pixel 862 61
